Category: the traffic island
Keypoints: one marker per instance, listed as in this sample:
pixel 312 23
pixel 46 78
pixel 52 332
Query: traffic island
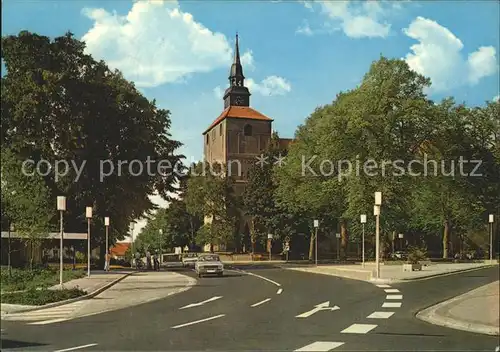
pixel 475 311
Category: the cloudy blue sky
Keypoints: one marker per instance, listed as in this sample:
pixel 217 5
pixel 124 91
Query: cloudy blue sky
pixel 297 55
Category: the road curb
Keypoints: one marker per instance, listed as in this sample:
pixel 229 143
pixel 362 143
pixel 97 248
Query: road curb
pixel 71 300
pixel 431 315
pixel 371 279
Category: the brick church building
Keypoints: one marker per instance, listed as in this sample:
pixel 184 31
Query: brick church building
pixel 239 134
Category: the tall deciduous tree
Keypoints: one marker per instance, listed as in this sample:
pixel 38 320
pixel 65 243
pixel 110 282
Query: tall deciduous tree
pixel 58 103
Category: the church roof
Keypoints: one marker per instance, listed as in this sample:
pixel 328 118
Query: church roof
pixel 239 112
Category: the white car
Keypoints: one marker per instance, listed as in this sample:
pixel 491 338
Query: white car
pixel 189 259
pixel 209 264
pixel 172 261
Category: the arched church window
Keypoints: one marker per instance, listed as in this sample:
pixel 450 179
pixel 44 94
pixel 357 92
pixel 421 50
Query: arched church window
pixel 247 130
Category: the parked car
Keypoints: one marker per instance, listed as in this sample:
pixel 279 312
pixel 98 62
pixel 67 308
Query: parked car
pixel 209 264
pixel 172 261
pixel 189 259
pixel 399 255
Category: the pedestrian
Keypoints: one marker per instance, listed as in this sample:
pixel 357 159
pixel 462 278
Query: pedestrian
pixel 148 259
pixel 137 260
pixel 106 261
pixel 157 261
pixel 154 262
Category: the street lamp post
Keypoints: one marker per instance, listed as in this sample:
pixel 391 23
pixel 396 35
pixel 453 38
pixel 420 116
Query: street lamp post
pixel 491 219
pixel 11 229
pixel 61 206
pixel 401 241
pixel 316 225
pixel 363 222
pixel 269 244
pixel 106 256
pixel 338 246
pixel 160 233
pixel 88 215
pixel 376 212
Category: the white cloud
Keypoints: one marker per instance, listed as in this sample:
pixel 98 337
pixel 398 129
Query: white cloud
pixel 156 43
pixel 438 56
pixel 366 19
pixel 304 29
pixel 271 85
pixel 218 92
pixel 247 60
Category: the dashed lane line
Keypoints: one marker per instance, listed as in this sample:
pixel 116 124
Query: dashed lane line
pixel 391 290
pixel 391 305
pixel 380 315
pixel 320 346
pixel 77 347
pixel 394 297
pixel 279 291
pixel 383 286
pixel 261 302
pixel 358 329
pixel 198 321
pixel 259 276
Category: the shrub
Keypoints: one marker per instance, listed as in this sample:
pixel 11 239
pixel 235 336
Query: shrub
pixel 416 254
pixel 40 297
pixel 23 279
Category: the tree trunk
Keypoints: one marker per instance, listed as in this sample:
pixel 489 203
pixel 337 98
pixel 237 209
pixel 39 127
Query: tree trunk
pixel 311 245
pixel 446 235
pixel 343 239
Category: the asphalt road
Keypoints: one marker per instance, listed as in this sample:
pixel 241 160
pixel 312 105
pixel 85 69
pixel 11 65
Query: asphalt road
pixel 243 312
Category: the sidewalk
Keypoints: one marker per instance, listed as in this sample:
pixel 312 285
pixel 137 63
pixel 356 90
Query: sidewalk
pixel 388 273
pixel 476 311
pixel 96 283
pixel 133 290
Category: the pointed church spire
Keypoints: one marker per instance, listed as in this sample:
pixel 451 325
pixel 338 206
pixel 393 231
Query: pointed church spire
pixel 237 52
pixel 236 77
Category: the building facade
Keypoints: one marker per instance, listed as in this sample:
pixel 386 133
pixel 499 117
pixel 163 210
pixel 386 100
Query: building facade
pixel 238 135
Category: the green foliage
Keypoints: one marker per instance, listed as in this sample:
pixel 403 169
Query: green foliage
pixel 40 297
pixel 416 254
pixel 58 103
pixel 23 279
pixel 211 196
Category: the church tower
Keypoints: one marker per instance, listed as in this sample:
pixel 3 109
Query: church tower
pixel 237 94
pixel 240 133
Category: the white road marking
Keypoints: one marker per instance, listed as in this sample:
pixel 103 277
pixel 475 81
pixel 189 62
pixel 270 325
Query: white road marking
pixel 317 308
pixel 45 322
pixel 77 347
pixel 260 277
pixel 320 346
pixel 198 321
pixel 380 315
pixel 201 303
pixel 261 302
pixel 391 290
pixel 359 329
pixel 391 305
pixel 394 297
pixel 279 291
pixel 383 286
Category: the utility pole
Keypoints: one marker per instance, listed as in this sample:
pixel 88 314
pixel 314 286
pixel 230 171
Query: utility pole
pixel 376 212
pixel 61 206
pixel 316 225
pixel 363 221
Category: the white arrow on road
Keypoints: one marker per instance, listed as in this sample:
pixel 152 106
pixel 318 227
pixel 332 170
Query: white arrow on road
pixel 318 307
pixel 201 303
